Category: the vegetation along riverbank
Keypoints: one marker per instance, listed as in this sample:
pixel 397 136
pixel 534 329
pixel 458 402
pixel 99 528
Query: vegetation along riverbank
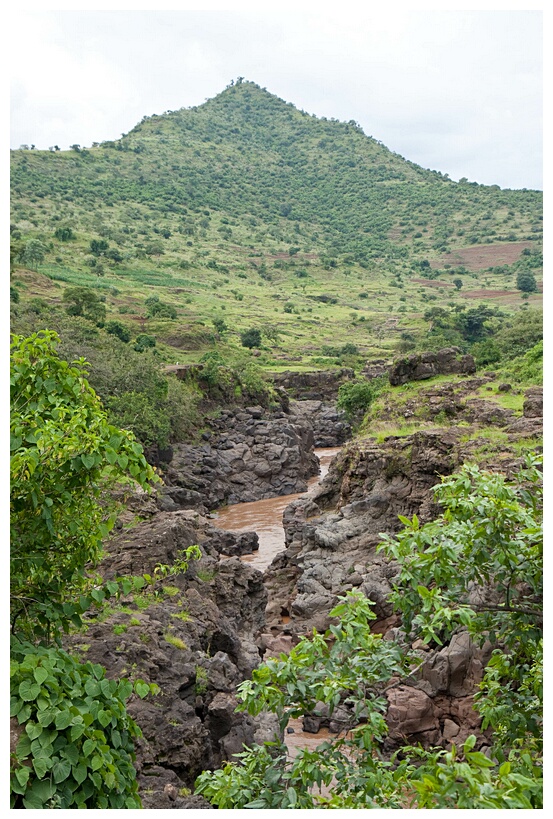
pixel 196 307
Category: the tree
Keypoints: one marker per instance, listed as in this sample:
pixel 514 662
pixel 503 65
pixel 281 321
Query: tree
pixel 33 253
pixel 220 325
pixel 526 281
pixel 458 282
pixel 82 301
pixel 75 747
pixel 355 397
pixel 98 247
pixel 116 328
pixel 143 341
pixel 250 338
pixel 65 457
pixel 159 308
pixel 477 567
pixel 64 234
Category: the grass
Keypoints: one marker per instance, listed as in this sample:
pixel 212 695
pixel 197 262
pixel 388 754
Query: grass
pixel 171 591
pixel 184 616
pixel 381 431
pixel 175 641
pixel 513 400
pixel 205 575
pixel 490 434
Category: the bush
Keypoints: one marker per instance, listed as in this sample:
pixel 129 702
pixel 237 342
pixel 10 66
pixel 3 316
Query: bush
pixel 76 750
pixel 526 281
pixel 115 328
pixel 82 301
pixel 220 325
pixel 144 342
pixel 355 397
pixel 64 234
pixel 251 338
pixel 160 309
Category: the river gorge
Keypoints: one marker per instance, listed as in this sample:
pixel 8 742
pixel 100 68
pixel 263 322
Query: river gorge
pixel 287 514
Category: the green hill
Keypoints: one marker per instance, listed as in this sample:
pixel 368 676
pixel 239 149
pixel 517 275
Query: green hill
pixel 249 211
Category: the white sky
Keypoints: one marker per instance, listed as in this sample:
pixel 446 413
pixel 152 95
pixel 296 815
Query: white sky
pixel 456 91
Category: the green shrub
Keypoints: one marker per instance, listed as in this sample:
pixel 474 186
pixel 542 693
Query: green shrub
pixel 143 342
pixel 76 747
pixel 115 328
pixel 355 397
pixel 251 338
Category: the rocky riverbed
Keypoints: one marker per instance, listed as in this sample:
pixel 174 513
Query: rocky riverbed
pixel 199 634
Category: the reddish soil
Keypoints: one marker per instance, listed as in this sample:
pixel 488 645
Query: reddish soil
pixel 479 257
pixel 489 294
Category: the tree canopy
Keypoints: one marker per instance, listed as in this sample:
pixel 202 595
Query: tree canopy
pixel 65 457
pixel 75 739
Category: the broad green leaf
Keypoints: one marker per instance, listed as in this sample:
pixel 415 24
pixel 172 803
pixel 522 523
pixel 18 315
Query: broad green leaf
pixel 61 770
pixel 142 689
pixel 63 719
pixel 28 690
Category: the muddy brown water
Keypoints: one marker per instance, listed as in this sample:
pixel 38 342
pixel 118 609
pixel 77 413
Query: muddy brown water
pixel 265 516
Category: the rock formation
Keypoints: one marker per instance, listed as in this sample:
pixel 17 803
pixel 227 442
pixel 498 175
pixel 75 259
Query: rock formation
pixel 419 366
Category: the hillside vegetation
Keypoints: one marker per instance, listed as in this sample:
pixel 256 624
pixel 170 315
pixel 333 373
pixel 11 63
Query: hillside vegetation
pixel 244 213
pixel 159 279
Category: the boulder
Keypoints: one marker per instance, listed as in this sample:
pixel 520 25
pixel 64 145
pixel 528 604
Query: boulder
pixel 419 366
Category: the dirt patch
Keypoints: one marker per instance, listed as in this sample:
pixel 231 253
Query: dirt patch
pixel 489 294
pixel 479 257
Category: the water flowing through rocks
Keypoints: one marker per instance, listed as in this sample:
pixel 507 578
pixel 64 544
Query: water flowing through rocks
pixel 265 516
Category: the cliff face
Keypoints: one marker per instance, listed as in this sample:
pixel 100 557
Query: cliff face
pixel 331 537
pixel 248 454
pixel 195 635
pixel 331 547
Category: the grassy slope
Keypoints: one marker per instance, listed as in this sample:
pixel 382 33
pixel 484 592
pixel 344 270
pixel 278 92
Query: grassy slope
pixel 247 209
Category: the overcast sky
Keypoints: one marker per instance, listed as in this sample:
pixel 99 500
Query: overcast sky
pixel 454 91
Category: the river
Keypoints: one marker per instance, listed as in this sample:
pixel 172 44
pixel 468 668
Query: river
pixel 265 516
